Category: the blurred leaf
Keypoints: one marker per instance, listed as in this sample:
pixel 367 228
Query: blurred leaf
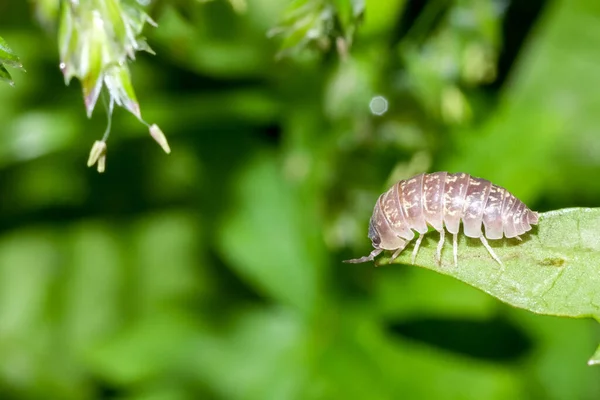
pixel 46 11
pixel 264 237
pixel 380 17
pixel 167 239
pixel 360 360
pixel 559 341
pixel 320 23
pixel 158 392
pixel 37 133
pixel 304 21
pixel 554 271
pixel 198 48
pixel 546 113
pixel 46 183
pixel 348 90
pixel 276 342
pixel 94 276
pixel 28 265
pixel 145 350
pixel 239 6
pixel 452 298
pixel 530 166
pixel 451 47
pixel 349 13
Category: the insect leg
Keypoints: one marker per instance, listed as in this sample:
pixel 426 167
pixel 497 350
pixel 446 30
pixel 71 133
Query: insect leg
pixel 397 253
pixel 416 249
pixel 455 248
pixel 438 253
pixel 487 246
pixel 370 257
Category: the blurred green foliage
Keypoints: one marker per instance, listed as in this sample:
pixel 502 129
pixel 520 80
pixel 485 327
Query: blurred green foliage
pixel 215 272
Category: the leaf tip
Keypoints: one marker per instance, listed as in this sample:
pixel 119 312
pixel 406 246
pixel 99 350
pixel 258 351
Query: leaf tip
pixel 595 360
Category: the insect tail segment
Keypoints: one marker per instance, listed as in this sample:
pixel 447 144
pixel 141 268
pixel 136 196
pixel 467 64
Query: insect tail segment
pixel 370 257
pixel 533 217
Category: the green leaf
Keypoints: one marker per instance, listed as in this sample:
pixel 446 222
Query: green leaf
pixel 317 24
pixel 135 18
pixel 5 75
pixel 68 44
pixel 147 349
pixel 380 17
pixel 8 57
pixel 595 360
pixel 276 339
pixel 304 21
pixel 555 270
pixel 118 83
pixel 113 16
pixel 266 238
pixel 92 69
pixel 95 271
pixel 47 12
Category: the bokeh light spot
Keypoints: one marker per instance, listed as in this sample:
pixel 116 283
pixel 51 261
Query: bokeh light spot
pixel 378 105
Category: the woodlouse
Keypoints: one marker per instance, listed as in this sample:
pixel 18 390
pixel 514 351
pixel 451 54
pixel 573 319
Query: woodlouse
pixel 442 200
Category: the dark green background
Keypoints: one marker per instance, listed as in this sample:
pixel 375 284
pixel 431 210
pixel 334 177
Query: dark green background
pixel 215 272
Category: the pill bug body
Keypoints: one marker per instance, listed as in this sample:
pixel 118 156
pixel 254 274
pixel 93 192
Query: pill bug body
pixel 443 200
